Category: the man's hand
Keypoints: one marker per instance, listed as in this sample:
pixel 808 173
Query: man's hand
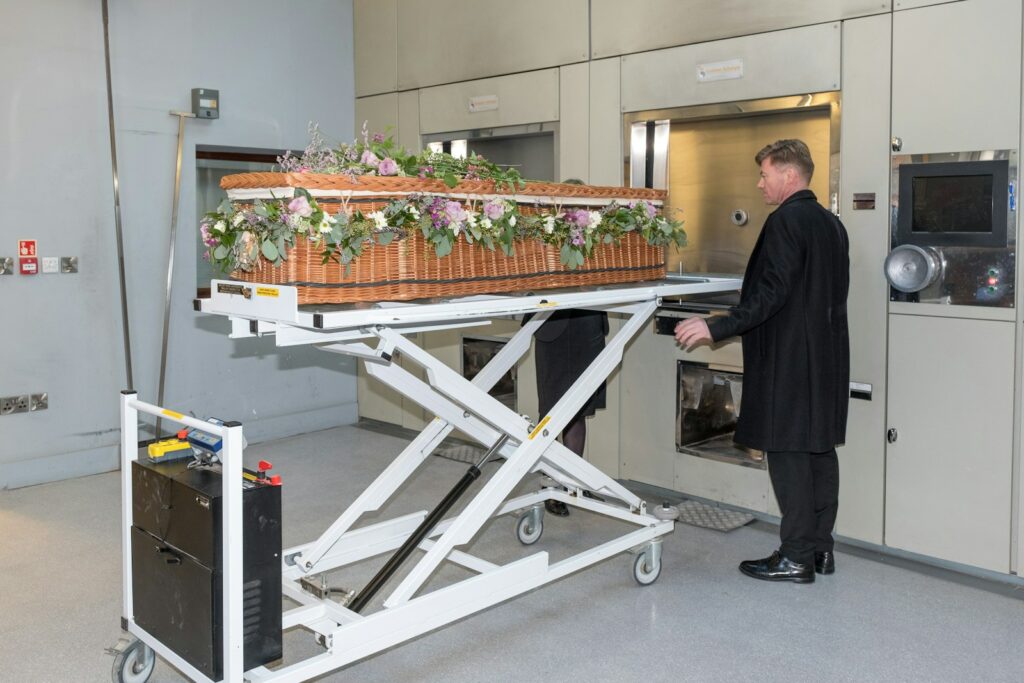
pixel 693 332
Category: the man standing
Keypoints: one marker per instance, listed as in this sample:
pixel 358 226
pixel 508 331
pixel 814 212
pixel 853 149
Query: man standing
pixel 796 360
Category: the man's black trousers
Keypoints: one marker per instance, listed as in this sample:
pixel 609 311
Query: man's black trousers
pixel 807 488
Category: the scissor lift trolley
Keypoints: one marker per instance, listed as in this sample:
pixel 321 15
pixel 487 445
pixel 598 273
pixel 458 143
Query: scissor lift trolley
pixel 521 446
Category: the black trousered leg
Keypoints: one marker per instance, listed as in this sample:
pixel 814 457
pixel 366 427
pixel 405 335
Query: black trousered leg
pixel 806 486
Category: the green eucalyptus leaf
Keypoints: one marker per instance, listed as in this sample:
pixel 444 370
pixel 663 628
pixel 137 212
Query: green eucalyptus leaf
pixel 269 250
pixel 450 180
pixel 385 238
pixel 220 253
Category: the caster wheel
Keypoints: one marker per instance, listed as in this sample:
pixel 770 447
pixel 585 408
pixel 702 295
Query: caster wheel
pixel 134 664
pixel 644 571
pixel 527 531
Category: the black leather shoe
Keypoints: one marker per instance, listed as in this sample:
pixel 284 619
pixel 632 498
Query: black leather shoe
pixel 557 508
pixel 825 563
pixel 777 567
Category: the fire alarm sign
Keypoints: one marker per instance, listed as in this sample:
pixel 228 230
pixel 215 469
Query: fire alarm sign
pixel 26 247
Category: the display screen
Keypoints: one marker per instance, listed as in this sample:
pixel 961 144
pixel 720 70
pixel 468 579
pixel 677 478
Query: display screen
pixel 952 203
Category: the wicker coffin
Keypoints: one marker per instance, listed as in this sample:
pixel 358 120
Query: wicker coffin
pixel 409 268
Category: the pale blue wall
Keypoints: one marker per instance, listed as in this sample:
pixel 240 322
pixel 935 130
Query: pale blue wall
pixel 277 66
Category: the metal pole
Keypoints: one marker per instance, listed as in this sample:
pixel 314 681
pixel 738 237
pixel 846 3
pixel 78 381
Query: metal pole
pixel 117 204
pixel 170 258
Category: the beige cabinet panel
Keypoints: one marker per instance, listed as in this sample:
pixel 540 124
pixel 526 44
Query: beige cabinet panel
pixel 522 98
pixel 619 28
pixel 375 38
pixel 864 165
pixel 745 487
pixel 648 411
pixel 956 76
pixel 408 134
pixel 914 4
pixel 379 112
pixel 606 163
pixel 574 123
pixel 444 41
pixel 948 474
pixel 773 65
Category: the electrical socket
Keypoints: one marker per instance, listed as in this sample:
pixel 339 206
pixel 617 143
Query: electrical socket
pixel 24 403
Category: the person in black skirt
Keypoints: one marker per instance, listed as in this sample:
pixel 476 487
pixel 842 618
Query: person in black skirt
pixel 567 343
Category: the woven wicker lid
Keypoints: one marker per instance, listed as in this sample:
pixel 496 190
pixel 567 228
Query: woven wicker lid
pixel 397 185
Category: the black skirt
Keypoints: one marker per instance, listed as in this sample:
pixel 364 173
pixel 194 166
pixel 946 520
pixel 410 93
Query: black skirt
pixel 566 344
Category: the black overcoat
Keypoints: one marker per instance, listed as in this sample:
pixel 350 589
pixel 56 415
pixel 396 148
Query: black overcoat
pixel 792 319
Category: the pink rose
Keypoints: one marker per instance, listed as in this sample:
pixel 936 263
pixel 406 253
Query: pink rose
pixel 300 205
pixel 455 212
pixel 369 158
pixel 494 209
pixel 387 167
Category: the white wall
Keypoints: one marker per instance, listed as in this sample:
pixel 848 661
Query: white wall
pixel 62 333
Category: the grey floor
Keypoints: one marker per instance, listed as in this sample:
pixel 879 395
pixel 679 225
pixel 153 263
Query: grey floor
pixel 702 620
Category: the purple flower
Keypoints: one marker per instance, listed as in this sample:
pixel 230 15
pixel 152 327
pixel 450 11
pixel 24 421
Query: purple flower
pixel 454 212
pixel 494 209
pixel 378 137
pixel 369 158
pixel 387 167
pixel 300 205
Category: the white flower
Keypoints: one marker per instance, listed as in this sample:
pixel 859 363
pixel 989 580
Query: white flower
pixel 220 226
pixel 379 219
pixel 549 224
pixel 593 220
pixel 456 228
pixel 237 220
pixel 471 219
pixel 413 211
pixel 512 221
pixel 327 222
pixel 485 223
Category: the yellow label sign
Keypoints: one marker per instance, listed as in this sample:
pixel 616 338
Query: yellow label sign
pixel 171 413
pixel 537 430
pixel 547 304
pixel 268 291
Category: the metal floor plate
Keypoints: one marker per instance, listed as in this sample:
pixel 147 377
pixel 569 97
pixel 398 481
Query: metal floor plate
pixel 711 517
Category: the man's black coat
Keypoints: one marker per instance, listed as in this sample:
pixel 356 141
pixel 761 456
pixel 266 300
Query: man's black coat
pixel 792 317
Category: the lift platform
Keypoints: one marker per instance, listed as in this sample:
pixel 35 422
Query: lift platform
pixel 521 446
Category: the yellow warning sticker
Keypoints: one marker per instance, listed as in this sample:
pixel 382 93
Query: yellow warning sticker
pixel 537 430
pixel 171 413
pixel 547 304
pixel 268 291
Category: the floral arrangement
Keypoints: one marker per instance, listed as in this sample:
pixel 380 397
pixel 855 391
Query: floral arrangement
pixel 237 237
pixel 379 155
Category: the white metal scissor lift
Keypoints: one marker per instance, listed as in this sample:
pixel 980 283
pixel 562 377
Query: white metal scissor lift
pixel 457 403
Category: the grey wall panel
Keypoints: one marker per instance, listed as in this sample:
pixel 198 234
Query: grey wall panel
pixel 522 98
pixel 773 65
pixel 375 43
pixel 956 76
pixel 606 156
pixel 442 42
pixel 56 124
pixel 574 123
pixel 379 113
pixel 619 28
pixel 864 168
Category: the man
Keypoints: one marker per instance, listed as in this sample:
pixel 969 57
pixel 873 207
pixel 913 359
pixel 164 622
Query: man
pixel 796 360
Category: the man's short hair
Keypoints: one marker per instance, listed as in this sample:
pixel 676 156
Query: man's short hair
pixel 788 152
